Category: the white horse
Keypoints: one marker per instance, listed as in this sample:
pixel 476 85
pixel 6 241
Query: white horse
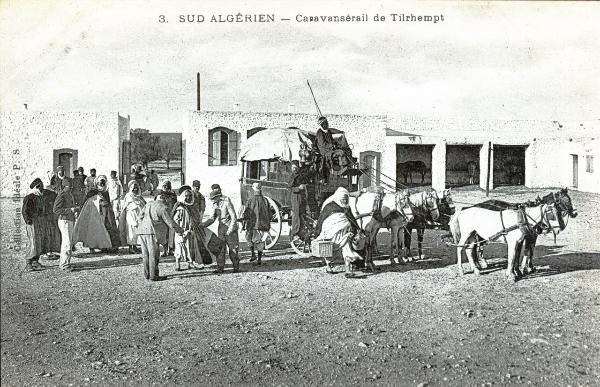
pixel 473 226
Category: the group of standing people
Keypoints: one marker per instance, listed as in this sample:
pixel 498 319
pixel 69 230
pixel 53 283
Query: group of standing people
pixel 103 217
pixel 96 211
pixel 51 214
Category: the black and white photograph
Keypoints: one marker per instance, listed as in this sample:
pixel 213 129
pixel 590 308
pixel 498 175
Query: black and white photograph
pixel 299 193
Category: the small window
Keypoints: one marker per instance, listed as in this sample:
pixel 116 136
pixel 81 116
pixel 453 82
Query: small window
pixel 589 164
pixel 252 171
pixel 223 146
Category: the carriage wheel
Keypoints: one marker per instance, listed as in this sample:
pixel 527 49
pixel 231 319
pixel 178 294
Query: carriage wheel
pixel 302 246
pixel 275 231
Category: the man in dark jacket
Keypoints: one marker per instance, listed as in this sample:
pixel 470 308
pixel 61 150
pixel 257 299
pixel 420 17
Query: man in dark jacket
pixel 58 180
pixel 78 187
pixel 325 145
pixel 153 229
pixel 65 207
pixel 34 215
pixel 51 228
pixel 297 188
pixel 258 222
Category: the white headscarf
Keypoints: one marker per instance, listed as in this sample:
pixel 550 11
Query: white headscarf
pixel 130 188
pixel 338 195
pixel 181 198
pixel 131 197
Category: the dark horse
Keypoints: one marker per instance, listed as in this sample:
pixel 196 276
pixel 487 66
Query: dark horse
pixel 422 220
pixel 407 168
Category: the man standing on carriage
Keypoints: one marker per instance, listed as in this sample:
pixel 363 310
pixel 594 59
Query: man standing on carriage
pixel 325 145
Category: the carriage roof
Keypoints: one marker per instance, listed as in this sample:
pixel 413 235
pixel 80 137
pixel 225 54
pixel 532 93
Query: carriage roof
pixel 279 144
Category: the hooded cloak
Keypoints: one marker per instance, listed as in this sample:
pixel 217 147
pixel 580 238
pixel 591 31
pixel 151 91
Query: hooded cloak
pixel 96 226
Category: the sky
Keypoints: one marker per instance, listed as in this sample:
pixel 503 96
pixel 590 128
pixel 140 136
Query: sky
pixel 486 60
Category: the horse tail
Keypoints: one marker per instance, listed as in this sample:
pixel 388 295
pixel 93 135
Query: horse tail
pixel 455 227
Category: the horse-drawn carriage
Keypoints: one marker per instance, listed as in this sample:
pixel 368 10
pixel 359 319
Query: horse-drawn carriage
pixel 267 158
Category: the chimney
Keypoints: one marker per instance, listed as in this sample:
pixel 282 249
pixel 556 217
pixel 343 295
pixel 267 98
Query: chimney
pixel 198 91
pixel 25 106
pixel 291 108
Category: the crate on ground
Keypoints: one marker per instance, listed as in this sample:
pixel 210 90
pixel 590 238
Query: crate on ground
pixel 322 248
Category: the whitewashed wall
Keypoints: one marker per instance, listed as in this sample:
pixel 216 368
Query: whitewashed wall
pixel 29 139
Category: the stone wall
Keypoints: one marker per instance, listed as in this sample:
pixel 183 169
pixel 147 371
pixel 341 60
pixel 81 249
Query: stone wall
pixel 29 141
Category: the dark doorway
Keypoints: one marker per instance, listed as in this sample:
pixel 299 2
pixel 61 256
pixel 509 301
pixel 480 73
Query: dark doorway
pixel 67 158
pixel 509 164
pixel 462 165
pixel 413 165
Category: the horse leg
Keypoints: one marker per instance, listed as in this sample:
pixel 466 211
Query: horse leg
pixel 470 250
pixel 423 177
pixel 480 257
pixel 420 232
pixel 459 250
pixel 511 255
pixel 369 254
pixel 527 262
pixel 407 240
pixel 393 242
pixel 393 246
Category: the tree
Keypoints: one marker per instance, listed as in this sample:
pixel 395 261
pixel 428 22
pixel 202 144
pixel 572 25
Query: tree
pixel 144 147
pixel 167 152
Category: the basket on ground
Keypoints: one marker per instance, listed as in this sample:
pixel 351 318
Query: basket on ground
pixel 322 248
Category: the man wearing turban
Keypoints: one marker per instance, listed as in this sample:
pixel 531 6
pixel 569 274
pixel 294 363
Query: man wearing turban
pixel 337 224
pixel 133 207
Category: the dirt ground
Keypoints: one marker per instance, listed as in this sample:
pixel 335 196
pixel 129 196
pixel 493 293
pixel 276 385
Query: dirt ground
pixel 287 322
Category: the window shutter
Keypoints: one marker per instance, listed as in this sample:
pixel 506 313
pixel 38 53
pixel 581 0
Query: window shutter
pixel 215 156
pixel 234 147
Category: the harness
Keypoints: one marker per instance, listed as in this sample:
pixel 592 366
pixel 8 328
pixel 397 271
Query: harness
pixel 522 224
pixel 537 227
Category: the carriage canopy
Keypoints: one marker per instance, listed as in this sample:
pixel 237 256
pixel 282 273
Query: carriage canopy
pixel 282 144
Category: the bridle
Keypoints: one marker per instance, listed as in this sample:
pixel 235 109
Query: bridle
pixel 430 201
pixel 402 202
pixel 548 211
